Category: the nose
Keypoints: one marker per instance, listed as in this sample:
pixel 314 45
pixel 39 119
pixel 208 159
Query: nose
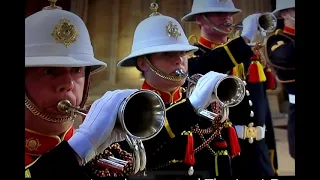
pixel 178 60
pixel 65 83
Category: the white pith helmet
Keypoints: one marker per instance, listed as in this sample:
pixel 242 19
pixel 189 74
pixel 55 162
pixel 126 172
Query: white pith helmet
pixel 58 38
pixel 282 5
pixel 157 33
pixel 207 6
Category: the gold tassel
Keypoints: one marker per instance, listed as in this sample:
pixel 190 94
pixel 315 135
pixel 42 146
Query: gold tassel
pixel 238 71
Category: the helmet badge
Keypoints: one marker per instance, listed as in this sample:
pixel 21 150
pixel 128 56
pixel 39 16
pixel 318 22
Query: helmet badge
pixel 173 30
pixel 65 32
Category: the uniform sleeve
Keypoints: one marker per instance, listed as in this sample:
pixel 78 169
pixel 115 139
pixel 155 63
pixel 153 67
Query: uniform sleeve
pixel 180 116
pixel 282 54
pixel 58 163
pixel 222 58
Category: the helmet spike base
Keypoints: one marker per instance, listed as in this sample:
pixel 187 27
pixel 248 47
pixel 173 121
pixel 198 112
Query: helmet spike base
pixel 52 5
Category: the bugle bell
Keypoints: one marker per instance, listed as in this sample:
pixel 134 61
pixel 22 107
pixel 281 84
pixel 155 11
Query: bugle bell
pixel 267 22
pixel 228 92
pixel 141 115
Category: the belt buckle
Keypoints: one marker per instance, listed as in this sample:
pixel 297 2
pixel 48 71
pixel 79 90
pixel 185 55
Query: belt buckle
pixel 250 132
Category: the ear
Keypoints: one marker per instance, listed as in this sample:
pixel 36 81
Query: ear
pixel 141 62
pixel 199 19
pixel 283 14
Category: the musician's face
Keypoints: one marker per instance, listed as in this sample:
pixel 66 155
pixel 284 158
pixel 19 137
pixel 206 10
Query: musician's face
pixel 292 12
pixel 168 63
pixel 289 15
pixel 218 19
pixel 46 86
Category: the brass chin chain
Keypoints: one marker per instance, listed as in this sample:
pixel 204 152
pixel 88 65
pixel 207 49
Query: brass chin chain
pixel 162 74
pixel 216 28
pixel 48 117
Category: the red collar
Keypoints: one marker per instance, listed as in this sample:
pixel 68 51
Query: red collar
pixel 37 144
pixel 167 97
pixel 207 43
pixel 289 30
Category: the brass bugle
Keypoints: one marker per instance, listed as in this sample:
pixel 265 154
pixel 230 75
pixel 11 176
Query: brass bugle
pixel 66 106
pixel 229 91
pixel 267 22
pixel 141 115
pixel 145 106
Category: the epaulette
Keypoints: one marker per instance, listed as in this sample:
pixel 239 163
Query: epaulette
pixel 279 32
pixel 265 44
pixel 194 37
pixel 280 42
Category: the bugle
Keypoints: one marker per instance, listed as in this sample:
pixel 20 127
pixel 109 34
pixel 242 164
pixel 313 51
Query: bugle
pixel 267 22
pixel 229 92
pixel 141 115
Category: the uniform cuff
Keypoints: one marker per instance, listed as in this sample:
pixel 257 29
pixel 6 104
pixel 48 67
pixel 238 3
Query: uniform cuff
pixel 81 145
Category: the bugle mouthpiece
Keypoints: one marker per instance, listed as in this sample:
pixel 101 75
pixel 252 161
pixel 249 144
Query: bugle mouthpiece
pixel 64 105
pixel 228 24
pixel 180 73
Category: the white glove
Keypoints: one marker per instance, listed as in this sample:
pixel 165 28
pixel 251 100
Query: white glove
pixel 250 26
pixel 201 95
pixel 97 131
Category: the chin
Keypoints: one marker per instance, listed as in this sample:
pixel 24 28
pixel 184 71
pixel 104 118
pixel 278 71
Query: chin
pixel 55 112
pixel 227 29
pixel 178 83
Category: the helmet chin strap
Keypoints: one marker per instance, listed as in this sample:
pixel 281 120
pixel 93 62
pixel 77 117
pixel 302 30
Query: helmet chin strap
pixel 162 74
pixel 216 28
pixel 291 17
pixel 54 118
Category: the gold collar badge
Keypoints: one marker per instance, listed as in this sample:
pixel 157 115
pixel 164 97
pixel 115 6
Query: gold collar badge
pixel 172 30
pixel 65 32
pixel 32 144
